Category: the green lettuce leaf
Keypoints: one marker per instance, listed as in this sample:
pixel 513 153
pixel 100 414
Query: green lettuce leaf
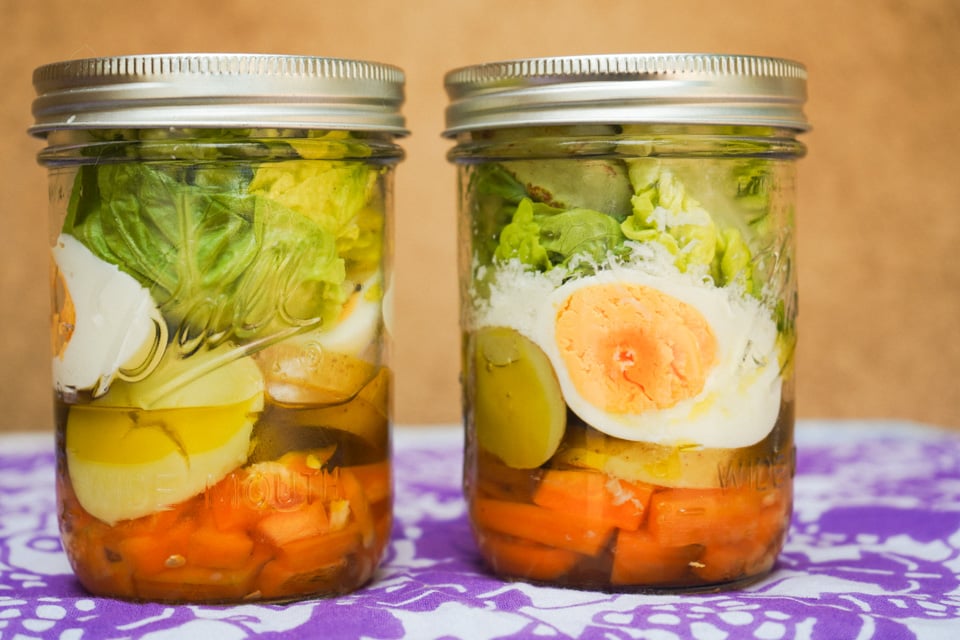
pixel 334 196
pixel 496 194
pixel 220 262
pixel 664 212
pixel 521 239
pixel 543 237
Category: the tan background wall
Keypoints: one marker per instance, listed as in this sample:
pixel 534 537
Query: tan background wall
pixel 879 193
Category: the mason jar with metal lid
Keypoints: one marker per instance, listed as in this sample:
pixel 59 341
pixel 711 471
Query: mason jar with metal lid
pixel 220 243
pixel 628 307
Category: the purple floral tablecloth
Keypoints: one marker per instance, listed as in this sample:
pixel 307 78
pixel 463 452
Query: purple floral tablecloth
pixel 873 552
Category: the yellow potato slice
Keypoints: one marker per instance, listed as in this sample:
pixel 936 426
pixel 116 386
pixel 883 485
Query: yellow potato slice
pixel 125 461
pixel 518 409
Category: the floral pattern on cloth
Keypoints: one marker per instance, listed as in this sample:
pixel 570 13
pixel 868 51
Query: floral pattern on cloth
pixel 873 552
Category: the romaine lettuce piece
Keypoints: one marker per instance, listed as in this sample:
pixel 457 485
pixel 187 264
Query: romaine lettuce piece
pixel 665 212
pixel 219 261
pixel 543 237
pixel 333 195
pixel 521 239
pixel 496 195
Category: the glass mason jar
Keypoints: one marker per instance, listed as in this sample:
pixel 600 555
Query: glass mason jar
pixel 628 288
pixel 220 239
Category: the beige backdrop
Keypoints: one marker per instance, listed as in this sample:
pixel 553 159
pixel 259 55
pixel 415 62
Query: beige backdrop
pixel 879 193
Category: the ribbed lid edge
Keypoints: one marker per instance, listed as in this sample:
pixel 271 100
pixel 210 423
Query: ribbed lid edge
pixel 218 90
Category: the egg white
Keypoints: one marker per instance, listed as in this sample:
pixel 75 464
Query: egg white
pixel 117 326
pixel 358 327
pixel 740 399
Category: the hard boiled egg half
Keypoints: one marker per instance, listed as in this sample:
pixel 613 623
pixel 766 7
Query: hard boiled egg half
pixel 663 360
pixel 330 365
pixel 359 321
pixel 105 324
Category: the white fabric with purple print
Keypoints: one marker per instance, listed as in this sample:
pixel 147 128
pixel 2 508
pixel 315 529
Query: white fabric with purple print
pixel 873 552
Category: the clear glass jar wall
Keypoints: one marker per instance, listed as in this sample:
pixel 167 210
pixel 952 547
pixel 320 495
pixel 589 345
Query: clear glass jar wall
pixel 221 386
pixel 221 255
pixel 628 312
pixel 221 383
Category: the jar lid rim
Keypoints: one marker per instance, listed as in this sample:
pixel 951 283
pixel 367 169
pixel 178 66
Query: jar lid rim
pixel 682 88
pixel 235 90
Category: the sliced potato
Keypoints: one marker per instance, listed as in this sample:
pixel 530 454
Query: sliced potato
pixel 365 416
pixel 518 409
pixel 300 375
pixel 763 465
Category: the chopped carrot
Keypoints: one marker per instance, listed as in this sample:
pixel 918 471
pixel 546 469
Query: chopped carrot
pixel 597 495
pixel 148 554
pixel 226 503
pixel 282 527
pixel 245 496
pixel 545 526
pixel 272 530
pixel 327 485
pixel 196 584
pixel 679 517
pixel 726 562
pixel 639 559
pixel 359 507
pixel 216 549
pixel 279 579
pixel 376 480
pixel 722 563
pixel 99 568
pixel 162 520
pixel 315 552
pixel 521 559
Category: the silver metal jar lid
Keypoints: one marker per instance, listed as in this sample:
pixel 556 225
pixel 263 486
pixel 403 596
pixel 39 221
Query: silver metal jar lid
pixel 676 88
pixel 218 90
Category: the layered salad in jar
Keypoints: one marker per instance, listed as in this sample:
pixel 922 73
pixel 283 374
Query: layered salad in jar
pixel 222 399
pixel 628 354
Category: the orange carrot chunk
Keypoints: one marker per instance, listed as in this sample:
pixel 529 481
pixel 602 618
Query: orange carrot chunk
pixel 679 517
pixel 376 480
pixel 148 554
pixel 725 562
pixel 216 549
pixel 597 495
pixel 359 507
pixel 279 578
pixel 639 559
pixel 315 552
pixel 282 527
pixel 229 505
pixel 518 558
pixel 545 526
pixel 197 584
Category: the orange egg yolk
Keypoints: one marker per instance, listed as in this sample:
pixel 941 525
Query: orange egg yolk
pixel 64 319
pixel 631 348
